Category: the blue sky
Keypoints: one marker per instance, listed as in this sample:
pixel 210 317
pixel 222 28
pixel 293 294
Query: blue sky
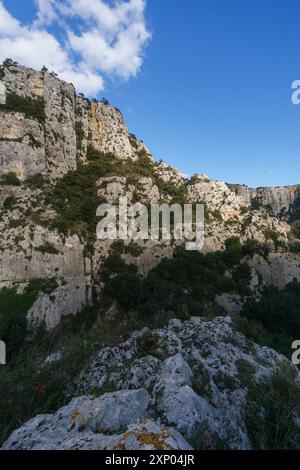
pixel 210 91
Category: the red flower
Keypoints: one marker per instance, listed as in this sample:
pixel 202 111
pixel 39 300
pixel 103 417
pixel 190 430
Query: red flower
pixel 40 389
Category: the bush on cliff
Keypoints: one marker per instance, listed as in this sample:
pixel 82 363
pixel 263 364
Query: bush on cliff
pixel 274 320
pixel 13 324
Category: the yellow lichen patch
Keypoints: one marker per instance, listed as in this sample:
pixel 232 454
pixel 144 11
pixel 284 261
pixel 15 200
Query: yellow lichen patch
pixel 147 438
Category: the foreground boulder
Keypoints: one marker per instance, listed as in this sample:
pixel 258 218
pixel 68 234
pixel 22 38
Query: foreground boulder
pixel 38 434
pixel 90 424
pixel 195 384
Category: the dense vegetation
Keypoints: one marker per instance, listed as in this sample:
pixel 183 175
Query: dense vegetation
pixel 10 179
pixel 13 322
pixel 279 397
pixel 14 307
pixel 29 386
pixel 74 197
pixel 184 285
pixel 28 389
pixel 296 229
pixel 275 319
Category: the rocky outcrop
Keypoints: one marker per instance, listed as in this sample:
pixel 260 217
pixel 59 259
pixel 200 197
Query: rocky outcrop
pixel 144 435
pixel 194 372
pixel 169 174
pixel 278 269
pixel 32 252
pixel 46 128
pixel 59 127
pixel 183 386
pixel 98 424
pixel 216 195
pixel 22 145
pixel 109 134
pixel 280 200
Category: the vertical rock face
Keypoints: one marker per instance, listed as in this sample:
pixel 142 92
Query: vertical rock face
pixel 280 201
pixel 60 137
pixel 82 127
pixel 23 81
pixel 108 133
pixel 45 128
pixel 216 195
pixel 243 191
pixel 22 145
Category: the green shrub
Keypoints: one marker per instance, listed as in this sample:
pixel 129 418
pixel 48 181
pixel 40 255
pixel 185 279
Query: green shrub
pixel 125 286
pixel 92 154
pixel 189 279
pixel 233 251
pixel 11 179
pixel 31 108
pixel 107 388
pixel 9 203
pixel 252 247
pixel 133 249
pixel 201 381
pixel 277 313
pixel 33 142
pixel 36 181
pixel 177 193
pixel 242 277
pixel 217 215
pixel 47 286
pixel 149 344
pixel 256 204
pixel 278 310
pixel 271 410
pixel 225 381
pixel 252 329
pixel 47 248
pixel 271 235
pixel 118 247
pixel 75 196
pixel 246 372
pixel 13 324
pixel 79 135
pixel 296 229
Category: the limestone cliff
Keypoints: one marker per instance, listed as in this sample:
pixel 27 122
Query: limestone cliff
pixel 46 132
pixel 46 128
pixel 280 201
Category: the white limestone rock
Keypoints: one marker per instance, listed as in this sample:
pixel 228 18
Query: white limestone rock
pixel 109 134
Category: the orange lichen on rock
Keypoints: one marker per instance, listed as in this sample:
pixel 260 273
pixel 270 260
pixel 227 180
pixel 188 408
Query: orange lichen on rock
pixel 147 438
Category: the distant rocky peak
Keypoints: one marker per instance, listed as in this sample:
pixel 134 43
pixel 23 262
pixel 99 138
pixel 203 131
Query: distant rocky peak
pixel 280 201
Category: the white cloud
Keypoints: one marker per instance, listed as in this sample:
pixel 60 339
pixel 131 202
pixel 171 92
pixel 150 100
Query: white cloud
pixel 46 13
pixel 8 24
pixel 107 40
